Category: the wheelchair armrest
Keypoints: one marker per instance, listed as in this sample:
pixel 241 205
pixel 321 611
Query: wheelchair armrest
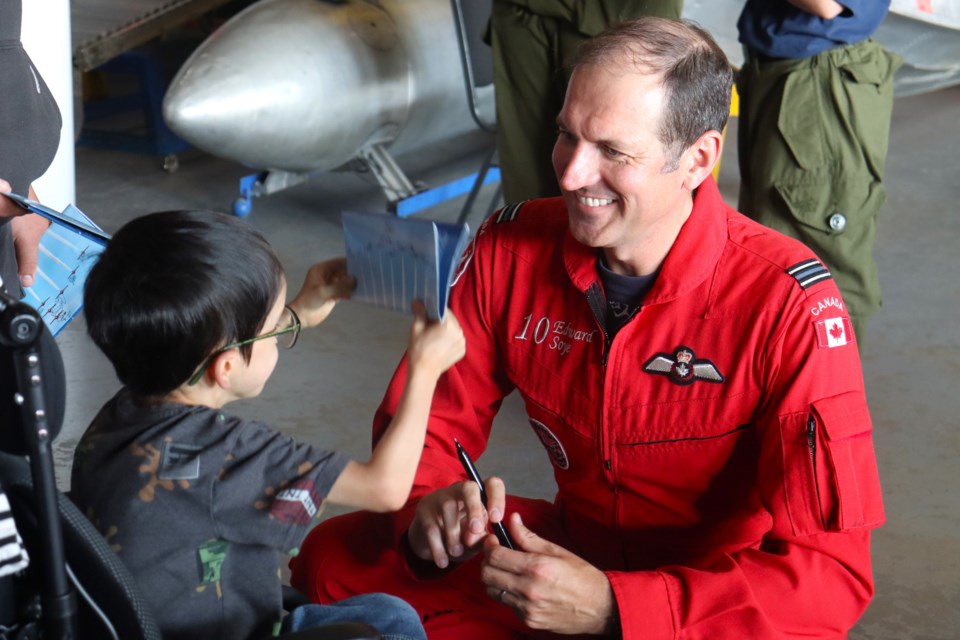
pixel 293 598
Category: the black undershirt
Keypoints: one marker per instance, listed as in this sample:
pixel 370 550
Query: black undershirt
pixel 624 295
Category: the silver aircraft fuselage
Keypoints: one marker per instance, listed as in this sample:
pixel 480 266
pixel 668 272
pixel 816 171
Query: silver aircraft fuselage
pixel 303 85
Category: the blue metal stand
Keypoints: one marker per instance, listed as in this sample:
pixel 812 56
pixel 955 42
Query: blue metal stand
pixel 449 191
pixel 158 139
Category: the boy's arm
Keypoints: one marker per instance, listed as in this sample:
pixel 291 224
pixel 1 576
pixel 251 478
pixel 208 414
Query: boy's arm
pixel 384 482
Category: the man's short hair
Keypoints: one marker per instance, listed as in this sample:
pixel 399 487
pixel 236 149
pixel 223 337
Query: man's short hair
pixel 696 75
pixel 173 287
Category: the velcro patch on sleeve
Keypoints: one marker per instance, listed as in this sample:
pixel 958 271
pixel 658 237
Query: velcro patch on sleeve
pixel 509 212
pixel 809 272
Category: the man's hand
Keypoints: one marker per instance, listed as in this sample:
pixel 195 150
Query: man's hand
pixel 8 208
pixel 451 524
pixel 325 283
pixel 27 231
pixel 547 586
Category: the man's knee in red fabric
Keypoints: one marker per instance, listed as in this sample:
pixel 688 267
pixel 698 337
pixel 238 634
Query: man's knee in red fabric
pixel 342 557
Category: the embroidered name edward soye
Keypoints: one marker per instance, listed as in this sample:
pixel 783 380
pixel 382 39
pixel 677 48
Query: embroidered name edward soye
pixel 809 272
pixel 683 367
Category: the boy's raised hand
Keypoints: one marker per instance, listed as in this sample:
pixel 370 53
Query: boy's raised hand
pixel 435 346
pixel 325 283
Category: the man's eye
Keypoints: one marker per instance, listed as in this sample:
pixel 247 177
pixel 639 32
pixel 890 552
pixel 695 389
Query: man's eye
pixel 611 152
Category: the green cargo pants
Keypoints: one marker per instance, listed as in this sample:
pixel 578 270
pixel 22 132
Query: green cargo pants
pixel 812 143
pixel 531 40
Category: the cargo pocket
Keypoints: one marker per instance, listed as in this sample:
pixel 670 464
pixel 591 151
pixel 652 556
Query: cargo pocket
pixel 832 204
pixel 855 480
pixel 830 471
pixel 836 217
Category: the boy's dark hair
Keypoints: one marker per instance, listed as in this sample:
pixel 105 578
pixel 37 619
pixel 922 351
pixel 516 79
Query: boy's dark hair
pixel 173 287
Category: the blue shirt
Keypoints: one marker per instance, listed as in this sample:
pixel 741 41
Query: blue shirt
pixel 777 29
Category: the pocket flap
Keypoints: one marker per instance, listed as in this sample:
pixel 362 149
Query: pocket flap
pixel 844 416
pixel 855 479
pixel 875 66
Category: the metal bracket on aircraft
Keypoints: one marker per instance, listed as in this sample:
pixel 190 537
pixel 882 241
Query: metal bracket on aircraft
pixel 391 178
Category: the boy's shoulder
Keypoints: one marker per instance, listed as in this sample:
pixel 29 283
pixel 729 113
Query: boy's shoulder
pixel 160 435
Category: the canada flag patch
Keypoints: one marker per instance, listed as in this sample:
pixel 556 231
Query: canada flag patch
pixel 834 332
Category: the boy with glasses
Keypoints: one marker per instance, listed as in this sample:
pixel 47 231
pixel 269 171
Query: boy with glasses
pixel 189 308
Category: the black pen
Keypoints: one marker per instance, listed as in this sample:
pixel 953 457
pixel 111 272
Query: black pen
pixel 82 228
pixel 498 528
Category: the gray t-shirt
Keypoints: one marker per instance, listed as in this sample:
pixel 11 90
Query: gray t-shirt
pixel 199 505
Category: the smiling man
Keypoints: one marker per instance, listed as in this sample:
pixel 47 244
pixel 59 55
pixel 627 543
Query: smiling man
pixel 709 432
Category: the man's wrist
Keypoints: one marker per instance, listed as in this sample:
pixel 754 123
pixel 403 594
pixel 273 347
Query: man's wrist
pixel 612 628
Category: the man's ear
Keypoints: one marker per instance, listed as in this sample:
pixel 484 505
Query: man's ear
pixel 700 158
pixel 224 365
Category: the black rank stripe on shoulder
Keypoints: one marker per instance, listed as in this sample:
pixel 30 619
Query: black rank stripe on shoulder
pixel 809 272
pixel 509 212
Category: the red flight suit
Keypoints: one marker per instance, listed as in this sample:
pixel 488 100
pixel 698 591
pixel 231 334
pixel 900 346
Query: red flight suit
pixel 714 458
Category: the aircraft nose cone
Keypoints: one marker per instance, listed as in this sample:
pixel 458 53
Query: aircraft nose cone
pixel 292 84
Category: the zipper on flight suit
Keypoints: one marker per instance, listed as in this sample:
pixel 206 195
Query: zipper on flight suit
pixel 598 305
pixel 812 446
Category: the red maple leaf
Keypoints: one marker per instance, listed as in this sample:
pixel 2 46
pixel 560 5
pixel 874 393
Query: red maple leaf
pixel 836 331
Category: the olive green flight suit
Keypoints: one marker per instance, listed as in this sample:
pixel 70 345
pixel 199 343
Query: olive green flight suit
pixel 812 144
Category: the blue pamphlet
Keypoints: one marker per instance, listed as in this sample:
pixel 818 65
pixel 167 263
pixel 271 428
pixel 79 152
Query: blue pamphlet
pixel 397 260
pixel 68 250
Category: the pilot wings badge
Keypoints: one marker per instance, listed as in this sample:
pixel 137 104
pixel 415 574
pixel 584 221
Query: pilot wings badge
pixel 683 367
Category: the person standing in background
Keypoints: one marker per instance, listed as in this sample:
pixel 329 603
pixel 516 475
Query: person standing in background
pixel 531 40
pixel 29 135
pixel 816 98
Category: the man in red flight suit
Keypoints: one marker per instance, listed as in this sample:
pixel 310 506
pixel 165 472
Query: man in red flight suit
pixel 692 375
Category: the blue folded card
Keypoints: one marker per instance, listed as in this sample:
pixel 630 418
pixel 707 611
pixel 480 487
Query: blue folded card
pixel 397 260
pixel 68 250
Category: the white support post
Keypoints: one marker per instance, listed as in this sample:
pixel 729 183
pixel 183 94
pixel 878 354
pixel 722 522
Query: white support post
pixel 46 38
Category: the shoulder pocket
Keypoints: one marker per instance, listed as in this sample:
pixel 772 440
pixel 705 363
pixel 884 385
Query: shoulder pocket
pixel 830 471
pixel 855 480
